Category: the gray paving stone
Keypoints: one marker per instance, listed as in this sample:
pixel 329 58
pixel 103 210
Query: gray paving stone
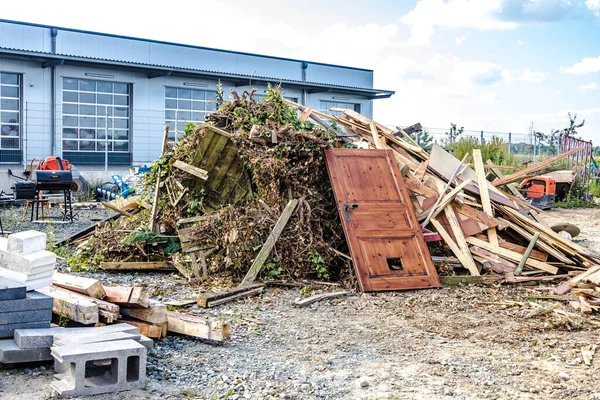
pixel 8 331
pixel 21 317
pixel 33 301
pixel 37 338
pixel 10 353
pixel 11 290
pixel 66 336
pixel 97 338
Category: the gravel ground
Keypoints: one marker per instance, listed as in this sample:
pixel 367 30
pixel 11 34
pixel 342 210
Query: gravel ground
pixel 467 342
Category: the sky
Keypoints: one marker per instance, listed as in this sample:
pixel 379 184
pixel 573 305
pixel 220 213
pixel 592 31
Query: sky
pixel 492 65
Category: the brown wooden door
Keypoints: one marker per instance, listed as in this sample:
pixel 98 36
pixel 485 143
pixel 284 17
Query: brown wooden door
pixel 383 234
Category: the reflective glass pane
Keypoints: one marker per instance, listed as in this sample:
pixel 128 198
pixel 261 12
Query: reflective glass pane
pixel 121 123
pixel 121 134
pixel 170 103
pixel 212 106
pixel 9 104
pixel 10 91
pixel 87 97
pixel 121 112
pixel 70 84
pixel 69 108
pixel 10 79
pixel 122 100
pixel 10 143
pixel 121 146
pixel 184 115
pixel 184 105
pixel 101 133
pixel 87 134
pixel 105 99
pixel 211 96
pixel 9 130
pixel 184 93
pixel 70 97
pixel 69 133
pixel 171 126
pixel 87 110
pixel 69 145
pixel 101 122
pixel 121 88
pixel 87 145
pixel 10 117
pixel 198 94
pixel 198 105
pixel 100 146
pixel 87 122
pixel 105 87
pixel 88 86
pixel 69 121
pixel 169 114
pixel 197 116
pixel 171 92
pixel 181 126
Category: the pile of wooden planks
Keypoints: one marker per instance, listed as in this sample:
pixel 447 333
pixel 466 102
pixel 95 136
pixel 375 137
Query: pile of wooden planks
pixel 483 222
pixel 86 301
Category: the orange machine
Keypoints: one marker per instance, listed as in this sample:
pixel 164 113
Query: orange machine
pixel 540 191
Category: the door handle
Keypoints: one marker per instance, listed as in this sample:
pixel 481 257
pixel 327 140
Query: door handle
pixel 348 208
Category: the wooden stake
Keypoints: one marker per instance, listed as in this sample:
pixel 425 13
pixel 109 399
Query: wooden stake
pixel 526 254
pixel 484 194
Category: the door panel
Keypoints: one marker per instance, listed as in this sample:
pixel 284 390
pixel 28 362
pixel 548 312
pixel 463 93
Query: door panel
pixel 385 239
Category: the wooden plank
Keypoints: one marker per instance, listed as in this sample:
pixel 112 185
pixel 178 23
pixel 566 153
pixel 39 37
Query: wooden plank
pixel 470 279
pixel 156 313
pixel 318 297
pixel 568 285
pixel 262 256
pixel 449 197
pixel 467 259
pixel 131 297
pixel 192 325
pixel 379 142
pixel 484 194
pixel 146 329
pixel 500 175
pixel 210 299
pixel 137 266
pixel 223 167
pixel 209 135
pixel 538 255
pixel 453 246
pixel 107 204
pixel 153 226
pixel 535 167
pixel 305 114
pixel 511 255
pixel 67 304
pixel 214 153
pixel 87 286
pixel 190 169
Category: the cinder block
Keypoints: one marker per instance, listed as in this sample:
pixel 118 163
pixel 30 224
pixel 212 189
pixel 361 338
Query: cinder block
pixel 146 342
pixel 8 331
pixel 88 335
pixel 26 242
pixel 21 317
pixel 89 369
pixel 10 353
pixel 33 301
pixel 97 338
pixel 11 290
pixel 29 263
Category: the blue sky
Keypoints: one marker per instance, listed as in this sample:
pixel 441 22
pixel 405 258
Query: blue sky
pixel 495 65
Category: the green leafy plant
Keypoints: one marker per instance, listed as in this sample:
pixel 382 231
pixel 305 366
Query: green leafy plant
pixel 273 268
pixel 319 263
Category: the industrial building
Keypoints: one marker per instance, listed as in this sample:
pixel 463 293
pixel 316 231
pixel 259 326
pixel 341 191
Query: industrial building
pixel 98 99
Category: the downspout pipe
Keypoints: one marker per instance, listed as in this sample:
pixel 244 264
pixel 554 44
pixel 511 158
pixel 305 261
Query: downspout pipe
pixel 304 70
pixel 54 34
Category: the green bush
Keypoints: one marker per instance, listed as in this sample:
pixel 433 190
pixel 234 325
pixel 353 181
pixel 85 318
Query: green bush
pixel 495 150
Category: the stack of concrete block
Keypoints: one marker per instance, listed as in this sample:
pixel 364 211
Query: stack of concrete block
pixel 20 309
pixel 23 258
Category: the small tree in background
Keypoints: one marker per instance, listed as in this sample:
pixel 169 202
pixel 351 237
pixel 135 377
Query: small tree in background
pixel 453 134
pixel 423 138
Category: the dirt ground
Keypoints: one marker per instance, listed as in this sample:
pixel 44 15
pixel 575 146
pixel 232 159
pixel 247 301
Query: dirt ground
pixel 466 342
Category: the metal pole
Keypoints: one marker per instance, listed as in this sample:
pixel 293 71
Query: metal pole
pixel 509 143
pixel 482 140
pixel 106 142
pixel 526 254
pixel 24 125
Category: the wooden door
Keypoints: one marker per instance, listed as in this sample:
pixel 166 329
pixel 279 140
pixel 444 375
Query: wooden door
pixel 384 236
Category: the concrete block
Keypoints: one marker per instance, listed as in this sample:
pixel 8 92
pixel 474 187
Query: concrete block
pixel 11 290
pixel 21 317
pixel 3 244
pixel 37 338
pixel 8 331
pixel 146 342
pixel 26 242
pixel 38 283
pixel 89 369
pixel 27 263
pixel 10 353
pixel 97 338
pixel 33 301
pixel 31 282
pixel 67 336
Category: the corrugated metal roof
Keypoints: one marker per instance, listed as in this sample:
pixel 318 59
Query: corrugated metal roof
pixel 164 67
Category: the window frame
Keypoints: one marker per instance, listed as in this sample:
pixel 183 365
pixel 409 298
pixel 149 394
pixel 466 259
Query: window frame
pixel 18 111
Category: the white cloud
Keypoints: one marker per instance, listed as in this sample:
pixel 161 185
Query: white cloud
pixel 429 14
pixel 528 75
pixel 520 42
pixel 593 6
pixel 489 97
pixel 460 39
pixel 589 86
pixel 585 66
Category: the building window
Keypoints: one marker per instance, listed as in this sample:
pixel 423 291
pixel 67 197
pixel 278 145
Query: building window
pixel 325 107
pixel 96 114
pixel 10 111
pixel 259 97
pixel 186 105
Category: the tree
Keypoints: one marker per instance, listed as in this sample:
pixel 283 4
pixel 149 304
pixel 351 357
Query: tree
pixel 423 138
pixel 454 133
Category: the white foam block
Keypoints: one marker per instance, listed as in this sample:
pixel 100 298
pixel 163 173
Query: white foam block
pixel 26 242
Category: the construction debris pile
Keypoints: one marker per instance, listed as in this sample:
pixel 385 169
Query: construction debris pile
pixel 221 188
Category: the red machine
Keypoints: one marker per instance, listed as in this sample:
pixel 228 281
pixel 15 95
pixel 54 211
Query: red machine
pixel 54 164
pixel 540 191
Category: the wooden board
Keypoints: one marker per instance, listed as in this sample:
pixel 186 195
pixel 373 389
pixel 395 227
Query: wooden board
pixel 132 297
pixel 137 266
pixel 192 325
pixel 67 304
pixel 87 286
pixel 156 313
pixel 146 329
pixel 207 300
pixel 383 234
pixel 482 183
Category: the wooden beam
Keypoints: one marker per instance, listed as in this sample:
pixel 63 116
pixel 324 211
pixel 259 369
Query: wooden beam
pixel 521 174
pixel 131 297
pixel 305 114
pixel 511 255
pixel 146 329
pixel 468 279
pixel 137 266
pixel 449 197
pixel 568 285
pixel 261 258
pixel 466 261
pixel 192 325
pixel 190 169
pixel 318 297
pixel 500 175
pixel 207 300
pixel 156 313
pixel 484 194
pixel 87 286
pixel 460 240
pixel 67 304
pixel 107 204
